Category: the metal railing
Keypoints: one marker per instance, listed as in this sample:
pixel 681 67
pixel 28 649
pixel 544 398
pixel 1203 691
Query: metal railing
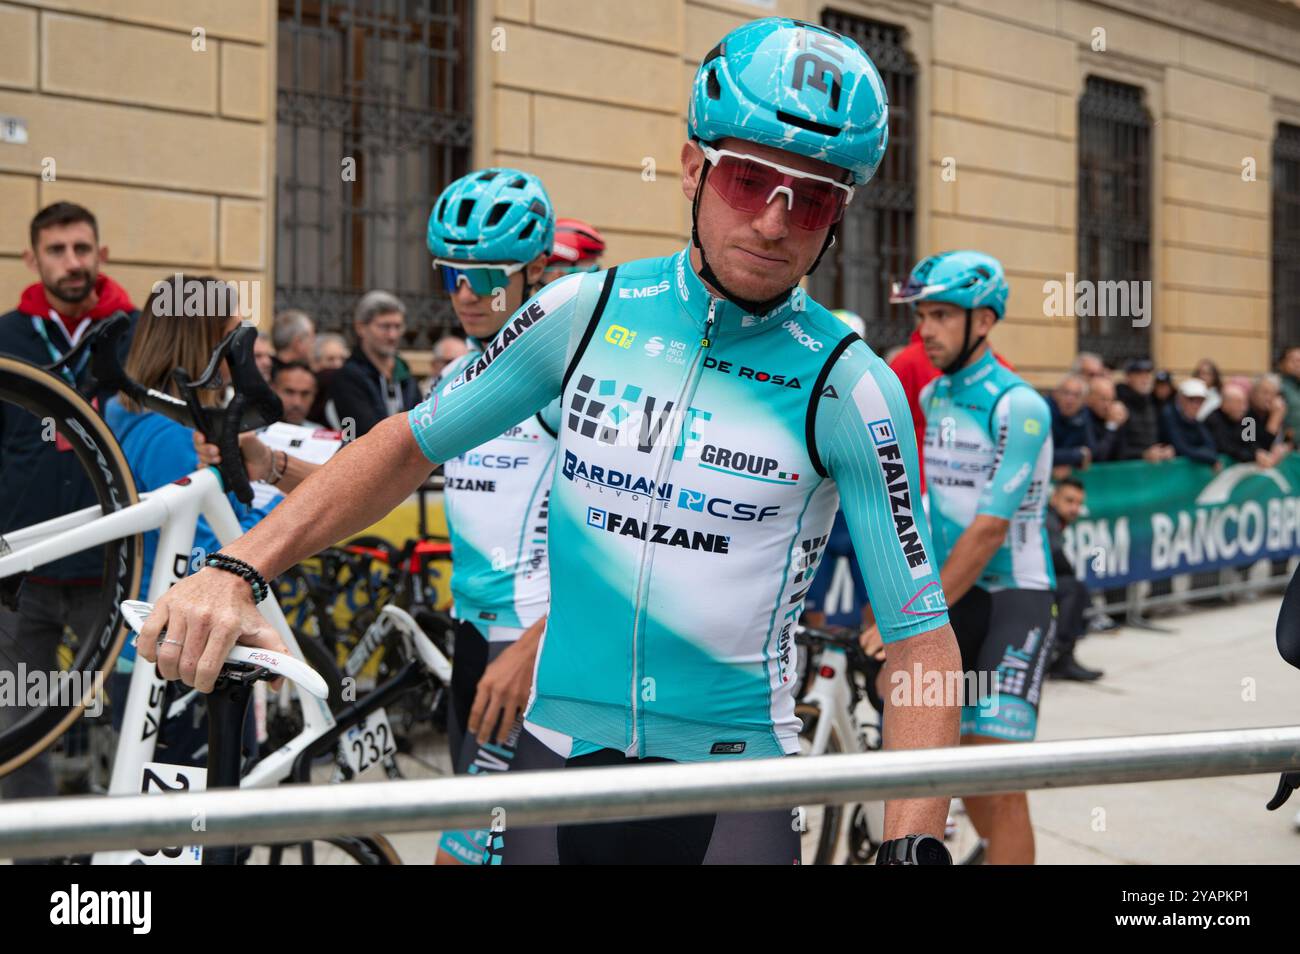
pixel 288 813
pixel 1185 588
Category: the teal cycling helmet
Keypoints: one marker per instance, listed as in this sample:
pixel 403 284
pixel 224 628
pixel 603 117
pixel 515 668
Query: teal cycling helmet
pixel 966 279
pixel 793 86
pixel 494 215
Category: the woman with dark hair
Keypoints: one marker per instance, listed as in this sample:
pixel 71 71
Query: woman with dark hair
pixel 1208 372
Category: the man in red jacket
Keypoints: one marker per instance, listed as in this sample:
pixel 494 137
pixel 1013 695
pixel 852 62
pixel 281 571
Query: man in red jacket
pixel 42 479
pixel 915 371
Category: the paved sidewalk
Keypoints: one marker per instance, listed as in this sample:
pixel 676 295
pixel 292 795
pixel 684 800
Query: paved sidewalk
pixel 1191 679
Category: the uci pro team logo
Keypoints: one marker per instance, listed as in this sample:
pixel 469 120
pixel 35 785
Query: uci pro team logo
pixel 900 496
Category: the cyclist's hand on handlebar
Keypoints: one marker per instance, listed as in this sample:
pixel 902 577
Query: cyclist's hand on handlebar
pixel 871 642
pixel 204 615
pixel 257 456
pixel 503 691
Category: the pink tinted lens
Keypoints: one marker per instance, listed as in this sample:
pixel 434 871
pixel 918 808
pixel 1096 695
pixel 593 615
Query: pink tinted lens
pixel 745 185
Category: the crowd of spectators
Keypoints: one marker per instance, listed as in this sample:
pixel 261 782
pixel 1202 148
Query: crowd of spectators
pixel 1151 415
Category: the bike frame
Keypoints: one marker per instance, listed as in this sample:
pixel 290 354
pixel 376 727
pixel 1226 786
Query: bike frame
pixel 172 510
pixel 831 695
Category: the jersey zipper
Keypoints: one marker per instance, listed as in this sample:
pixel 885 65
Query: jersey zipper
pixel 689 386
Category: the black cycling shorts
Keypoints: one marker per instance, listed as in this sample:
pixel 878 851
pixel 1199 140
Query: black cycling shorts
pixel 470 658
pixel 1005 638
pixel 725 838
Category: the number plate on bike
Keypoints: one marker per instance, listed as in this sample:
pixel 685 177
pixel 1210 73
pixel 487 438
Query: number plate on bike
pixel 369 743
pixel 160 778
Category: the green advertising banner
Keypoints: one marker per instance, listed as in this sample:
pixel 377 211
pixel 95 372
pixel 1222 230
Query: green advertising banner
pixel 1147 521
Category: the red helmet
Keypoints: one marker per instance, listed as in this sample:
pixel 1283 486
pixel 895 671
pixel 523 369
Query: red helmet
pixel 574 241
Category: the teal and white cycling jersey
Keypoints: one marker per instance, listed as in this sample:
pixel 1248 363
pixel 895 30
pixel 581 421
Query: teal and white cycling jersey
pixel 496 501
pixel 988 450
pixel 702 454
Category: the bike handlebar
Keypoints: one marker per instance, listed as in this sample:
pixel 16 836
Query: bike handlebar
pixel 253 405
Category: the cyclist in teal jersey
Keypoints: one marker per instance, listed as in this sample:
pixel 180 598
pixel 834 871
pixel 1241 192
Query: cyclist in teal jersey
pixel 713 418
pixel 988 460
pixel 490 233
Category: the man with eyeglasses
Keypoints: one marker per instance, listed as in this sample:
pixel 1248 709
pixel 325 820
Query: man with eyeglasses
pixel 713 418
pixel 374 382
pixel 1070 432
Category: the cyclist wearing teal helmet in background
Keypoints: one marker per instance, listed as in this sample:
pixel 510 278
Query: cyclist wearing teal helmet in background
pixel 714 417
pixel 988 458
pixel 490 233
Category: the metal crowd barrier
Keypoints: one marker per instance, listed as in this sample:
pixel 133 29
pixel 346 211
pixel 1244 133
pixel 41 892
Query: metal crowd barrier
pixel 77 825
pixel 1178 591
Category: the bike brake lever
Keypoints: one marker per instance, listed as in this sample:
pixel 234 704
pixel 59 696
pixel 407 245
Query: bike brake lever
pixel 1287 784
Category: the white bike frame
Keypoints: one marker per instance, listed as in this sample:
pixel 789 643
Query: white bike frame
pixel 831 695
pixel 174 510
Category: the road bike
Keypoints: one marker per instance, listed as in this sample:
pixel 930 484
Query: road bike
pixel 841 709
pixel 115 525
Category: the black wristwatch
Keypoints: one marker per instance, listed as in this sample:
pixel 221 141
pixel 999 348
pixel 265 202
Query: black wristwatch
pixel 913 850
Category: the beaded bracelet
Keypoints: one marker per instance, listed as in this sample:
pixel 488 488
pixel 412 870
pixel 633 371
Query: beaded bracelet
pixel 220 561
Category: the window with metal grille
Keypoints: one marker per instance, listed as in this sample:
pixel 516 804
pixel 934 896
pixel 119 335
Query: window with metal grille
pixel 1114 209
pixel 1286 239
pixel 374 120
pixel 874 244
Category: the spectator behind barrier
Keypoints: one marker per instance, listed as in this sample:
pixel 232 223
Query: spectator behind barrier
pixel 374 383
pixel 1289 382
pixel 445 350
pixel 1238 435
pixel 1141 435
pixel 264 355
pixel 1208 372
pixel 1179 427
pixel 40 479
pixel 330 353
pixel 1072 595
pixel 1162 389
pixel 293 335
pixel 1070 448
pixel 1268 407
pixel 296 385
pixel 1106 419
pixel 1089 365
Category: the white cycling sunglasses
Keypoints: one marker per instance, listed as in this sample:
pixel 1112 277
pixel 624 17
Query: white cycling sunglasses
pixel 749 183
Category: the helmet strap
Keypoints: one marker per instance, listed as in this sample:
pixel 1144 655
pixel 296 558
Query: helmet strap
pixel 967 348
pixel 826 247
pixel 706 270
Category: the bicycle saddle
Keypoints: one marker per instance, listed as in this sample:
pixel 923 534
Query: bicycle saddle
pixel 277 664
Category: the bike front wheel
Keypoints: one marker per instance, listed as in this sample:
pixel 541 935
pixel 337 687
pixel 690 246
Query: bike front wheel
pixel 93 472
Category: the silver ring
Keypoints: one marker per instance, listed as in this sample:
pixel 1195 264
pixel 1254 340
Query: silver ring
pixel 174 642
